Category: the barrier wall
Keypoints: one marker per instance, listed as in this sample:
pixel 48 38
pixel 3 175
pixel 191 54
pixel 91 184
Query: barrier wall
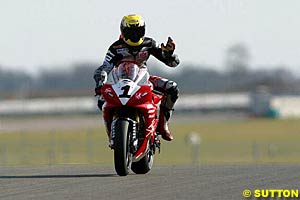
pixel 287 106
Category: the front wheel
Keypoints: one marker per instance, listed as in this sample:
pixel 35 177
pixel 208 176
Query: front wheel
pixel 122 155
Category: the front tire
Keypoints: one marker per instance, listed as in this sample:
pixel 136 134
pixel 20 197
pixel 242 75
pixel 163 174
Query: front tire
pixel 122 156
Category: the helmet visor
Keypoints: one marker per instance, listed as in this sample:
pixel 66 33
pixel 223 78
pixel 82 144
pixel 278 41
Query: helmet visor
pixel 133 33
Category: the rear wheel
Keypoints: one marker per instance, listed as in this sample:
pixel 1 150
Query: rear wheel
pixel 122 156
pixel 144 165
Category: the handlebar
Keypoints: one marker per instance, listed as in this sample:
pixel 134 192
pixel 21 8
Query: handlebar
pixel 157 92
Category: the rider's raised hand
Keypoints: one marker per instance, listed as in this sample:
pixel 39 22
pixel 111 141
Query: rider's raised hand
pixel 169 48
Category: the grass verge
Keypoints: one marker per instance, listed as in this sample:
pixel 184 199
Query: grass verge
pixel 249 141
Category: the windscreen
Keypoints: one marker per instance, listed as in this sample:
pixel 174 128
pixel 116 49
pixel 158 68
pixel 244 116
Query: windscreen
pixel 127 70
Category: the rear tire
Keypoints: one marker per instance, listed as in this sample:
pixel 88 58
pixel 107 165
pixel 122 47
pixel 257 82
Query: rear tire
pixel 122 156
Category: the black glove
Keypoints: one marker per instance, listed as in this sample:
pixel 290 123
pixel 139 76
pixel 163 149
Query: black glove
pixel 101 101
pixel 100 76
pixel 98 90
pixel 169 49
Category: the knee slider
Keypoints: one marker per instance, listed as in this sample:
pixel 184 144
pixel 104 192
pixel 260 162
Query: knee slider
pixel 172 89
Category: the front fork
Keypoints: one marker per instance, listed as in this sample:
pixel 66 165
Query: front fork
pixel 132 133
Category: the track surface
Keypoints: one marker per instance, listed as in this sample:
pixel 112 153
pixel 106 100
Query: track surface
pixel 163 182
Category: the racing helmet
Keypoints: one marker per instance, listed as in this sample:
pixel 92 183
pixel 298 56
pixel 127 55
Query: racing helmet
pixel 133 29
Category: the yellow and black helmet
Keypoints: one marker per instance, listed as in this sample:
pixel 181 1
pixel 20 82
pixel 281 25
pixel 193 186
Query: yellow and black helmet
pixel 133 29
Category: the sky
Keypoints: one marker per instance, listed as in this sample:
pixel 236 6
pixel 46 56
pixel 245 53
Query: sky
pixel 41 34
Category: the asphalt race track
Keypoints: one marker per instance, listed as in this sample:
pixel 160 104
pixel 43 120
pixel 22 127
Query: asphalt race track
pixel 163 182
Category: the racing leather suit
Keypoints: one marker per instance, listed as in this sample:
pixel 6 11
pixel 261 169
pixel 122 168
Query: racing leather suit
pixel 119 51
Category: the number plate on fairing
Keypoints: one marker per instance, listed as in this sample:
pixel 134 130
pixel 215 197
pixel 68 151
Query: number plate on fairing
pixel 125 89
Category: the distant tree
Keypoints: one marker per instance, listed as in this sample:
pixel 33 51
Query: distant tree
pixel 237 59
pixel 78 79
pixel 14 83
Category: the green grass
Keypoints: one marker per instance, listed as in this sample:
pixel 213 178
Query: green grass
pixel 54 147
pixel 250 141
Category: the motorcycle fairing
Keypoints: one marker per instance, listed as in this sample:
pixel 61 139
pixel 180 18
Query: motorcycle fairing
pixel 125 89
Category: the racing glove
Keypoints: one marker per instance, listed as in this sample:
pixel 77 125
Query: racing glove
pixel 98 90
pixel 169 48
pixel 100 77
pixel 101 101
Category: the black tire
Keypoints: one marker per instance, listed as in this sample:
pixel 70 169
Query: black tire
pixel 144 165
pixel 122 156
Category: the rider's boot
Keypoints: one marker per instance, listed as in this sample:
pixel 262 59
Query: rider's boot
pixel 163 129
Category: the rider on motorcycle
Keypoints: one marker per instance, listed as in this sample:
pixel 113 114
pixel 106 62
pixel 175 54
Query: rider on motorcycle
pixel 134 46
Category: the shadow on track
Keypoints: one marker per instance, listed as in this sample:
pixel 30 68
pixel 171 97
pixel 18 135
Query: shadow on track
pixel 57 176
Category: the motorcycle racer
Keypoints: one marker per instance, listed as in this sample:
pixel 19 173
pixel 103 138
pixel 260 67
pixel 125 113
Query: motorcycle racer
pixel 134 46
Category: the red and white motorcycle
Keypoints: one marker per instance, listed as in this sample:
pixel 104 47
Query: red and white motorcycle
pixel 131 111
